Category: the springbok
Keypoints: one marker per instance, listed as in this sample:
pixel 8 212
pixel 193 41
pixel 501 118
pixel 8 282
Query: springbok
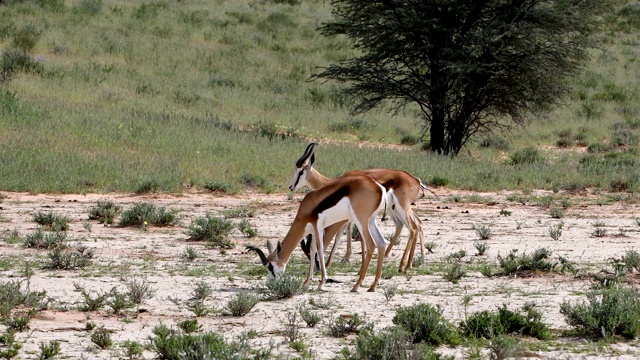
pixel 322 212
pixel 401 185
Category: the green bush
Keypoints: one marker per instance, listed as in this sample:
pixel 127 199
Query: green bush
pixel 45 240
pixel 189 326
pixel 537 261
pixel 12 295
pixel 344 325
pixel 171 344
pixel 425 323
pixel 528 155
pixel 241 304
pixel 69 258
pixel 105 211
pixel 485 324
pixel 144 214
pixel 439 181
pixel 284 286
pixel 102 338
pixel 221 186
pixel 212 229
pixel 607 313
pixel 49 350
pixel 52 221
pixel 494 142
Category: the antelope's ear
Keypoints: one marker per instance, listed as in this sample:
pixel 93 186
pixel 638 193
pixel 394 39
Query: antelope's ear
pixel 279 248
pixel 270 246
pixel 311 160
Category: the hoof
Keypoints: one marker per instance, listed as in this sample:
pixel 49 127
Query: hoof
pixel 355 289
pixel 371 289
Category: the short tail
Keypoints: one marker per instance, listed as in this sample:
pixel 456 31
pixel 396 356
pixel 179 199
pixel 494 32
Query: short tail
pixel 423 187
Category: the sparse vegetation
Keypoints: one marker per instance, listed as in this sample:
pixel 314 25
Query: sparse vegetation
pixel 426 323
pixel 105 211
pixel 172 344
pixel 144 214
pixel 344 325
pixel 51 221
pixel 241 303
pixel 213 230
pixel 483 232
pixel 69 257
pixel 606 313
pixel 102 338
pixel 538 260
pixel 284 287
pixel 49 350
pixel 486 324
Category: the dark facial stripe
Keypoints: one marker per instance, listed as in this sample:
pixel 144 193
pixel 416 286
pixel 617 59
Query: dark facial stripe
pixel 298 178
pixel 270 268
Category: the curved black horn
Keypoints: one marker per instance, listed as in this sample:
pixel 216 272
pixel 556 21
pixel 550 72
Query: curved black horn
pixel 307 152
pixel 258 251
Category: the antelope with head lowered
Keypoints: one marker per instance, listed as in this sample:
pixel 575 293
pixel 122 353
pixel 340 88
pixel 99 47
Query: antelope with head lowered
pixel 403 188
pixel 322 212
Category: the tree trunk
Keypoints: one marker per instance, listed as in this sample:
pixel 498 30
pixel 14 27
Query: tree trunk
pixel 437 133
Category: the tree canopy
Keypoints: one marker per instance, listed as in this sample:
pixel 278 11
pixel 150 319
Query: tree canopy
pixel 471 66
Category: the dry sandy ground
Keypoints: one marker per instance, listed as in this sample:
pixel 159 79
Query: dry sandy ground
pixel 154 255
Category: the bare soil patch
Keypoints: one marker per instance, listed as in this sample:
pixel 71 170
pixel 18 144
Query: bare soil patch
pixel 154 254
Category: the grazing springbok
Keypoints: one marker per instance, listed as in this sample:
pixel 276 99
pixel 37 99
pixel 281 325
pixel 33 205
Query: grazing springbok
pixel 322 212
pixel 403 187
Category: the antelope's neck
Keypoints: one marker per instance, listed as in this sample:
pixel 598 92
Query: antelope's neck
pixel 291 241
pixel 317 180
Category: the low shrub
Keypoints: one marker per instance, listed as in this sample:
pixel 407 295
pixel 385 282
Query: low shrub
pixel 344 325
pixel 528 155
pixel 45 240
pixel 52 221
pixel 606 313
pixel 425 323
pixel 485 324
pixel 284 286
pixel 221 186
pixel 241 304
pixel 169 344
pixel 212 229
pixel 102 338
pixel 144 213
pixel 537 261
pixel 69 258
pixel 105 212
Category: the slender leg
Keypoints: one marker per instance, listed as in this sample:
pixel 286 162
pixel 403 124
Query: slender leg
pixel 407 259
pixel 335 243
pixel 364 267
pixel 378 269
pixel 347 255
pixel 312 255
pixel 420 235
pixel 399 227
pixel 320 244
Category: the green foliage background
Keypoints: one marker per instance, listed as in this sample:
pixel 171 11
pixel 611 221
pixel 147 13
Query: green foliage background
pixel 186 92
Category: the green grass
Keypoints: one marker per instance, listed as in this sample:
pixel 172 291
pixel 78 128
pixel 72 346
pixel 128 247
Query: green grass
pixel 163 95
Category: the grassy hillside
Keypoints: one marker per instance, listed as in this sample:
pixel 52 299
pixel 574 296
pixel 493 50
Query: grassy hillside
pixel 133 95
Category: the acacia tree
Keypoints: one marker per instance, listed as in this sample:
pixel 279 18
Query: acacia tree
pixel 471 66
